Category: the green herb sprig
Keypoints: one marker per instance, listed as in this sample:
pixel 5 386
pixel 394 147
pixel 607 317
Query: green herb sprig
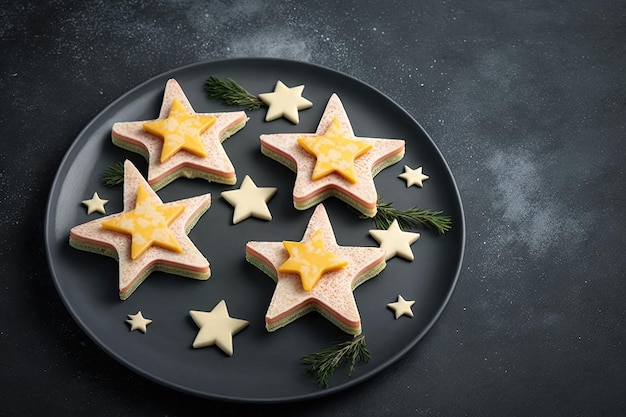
pixel 114 174
pixel 322 364
pixel 231 93
pixel 411 218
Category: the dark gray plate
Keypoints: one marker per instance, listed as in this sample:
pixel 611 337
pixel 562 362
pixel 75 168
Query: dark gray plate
pixel 265 366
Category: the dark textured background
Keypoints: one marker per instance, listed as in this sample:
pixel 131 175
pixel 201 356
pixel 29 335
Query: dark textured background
pixel 525 99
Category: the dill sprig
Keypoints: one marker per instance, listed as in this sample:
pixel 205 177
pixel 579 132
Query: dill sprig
pixel 114 174
pixel 411 218
pixel 232 93
pixel 322 364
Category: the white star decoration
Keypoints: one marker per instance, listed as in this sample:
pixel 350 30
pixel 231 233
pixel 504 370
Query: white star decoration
pixel 285 102
pixel 216 328
pixel 95 204
pixel 250 200
pixel 395 241
pixel 333 294
pixel 362 195
pixel 215 166
pixel 93 237
pixel 138 322
pixel 401 307
pixel 413 176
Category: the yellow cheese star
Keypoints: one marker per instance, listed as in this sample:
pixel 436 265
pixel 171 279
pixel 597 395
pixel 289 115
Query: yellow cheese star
pixel 147 224
pixel 310 260
pixel 285 102
pixel 334 152
pixel 180 131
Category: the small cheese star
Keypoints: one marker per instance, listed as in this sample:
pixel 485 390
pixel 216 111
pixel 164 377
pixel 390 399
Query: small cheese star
pixel 95 204
pixel 310 260
pixel 181 130
pixel 138 322
pixel 250 200
pixel 285 102
pixel 216 328
pixel 413 176
pixel 395 241
pixel 401 307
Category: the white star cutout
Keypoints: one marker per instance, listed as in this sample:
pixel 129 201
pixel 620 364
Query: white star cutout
pixel 395 241
pixel 401 307
pixel 285 102
pixel 95 204
pixel 250 200
pixel 138 322
pixel 413 176
pixel 216 328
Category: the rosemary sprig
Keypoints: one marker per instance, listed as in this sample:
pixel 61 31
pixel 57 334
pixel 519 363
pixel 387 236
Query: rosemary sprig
pixel 114 174
pixel 322 364
pixel 231 93
pixel 410 218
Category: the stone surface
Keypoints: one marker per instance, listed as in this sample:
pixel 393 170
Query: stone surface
pixel 525 102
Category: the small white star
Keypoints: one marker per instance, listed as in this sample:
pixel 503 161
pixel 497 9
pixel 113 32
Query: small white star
pixel 402 307
pixel 250 200
pixel 285 102
pixel 95 204
pixel 413 176
pixel 216 328
pixel 138 322
pixel 395 241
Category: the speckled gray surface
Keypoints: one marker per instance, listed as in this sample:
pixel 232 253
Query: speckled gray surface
pixel 526 101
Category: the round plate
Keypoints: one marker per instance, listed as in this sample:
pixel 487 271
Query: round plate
pixel 265 366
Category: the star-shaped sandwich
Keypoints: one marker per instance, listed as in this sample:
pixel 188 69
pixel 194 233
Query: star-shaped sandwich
pixel 285 102
pixel 315 274
pixel 181 142
pixel 413 176
pixel 333 161
pixel 395 241
pixel 250 200
pixel 147 235
pixel 216 328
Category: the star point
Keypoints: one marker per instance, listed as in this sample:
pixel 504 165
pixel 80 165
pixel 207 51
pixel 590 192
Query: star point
pixel 138 322
pixel 285 102
pixel 249 200
pixel 217 328
pixel 413 176
pixel 395 241
pixel 401 307
pixel 95 204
